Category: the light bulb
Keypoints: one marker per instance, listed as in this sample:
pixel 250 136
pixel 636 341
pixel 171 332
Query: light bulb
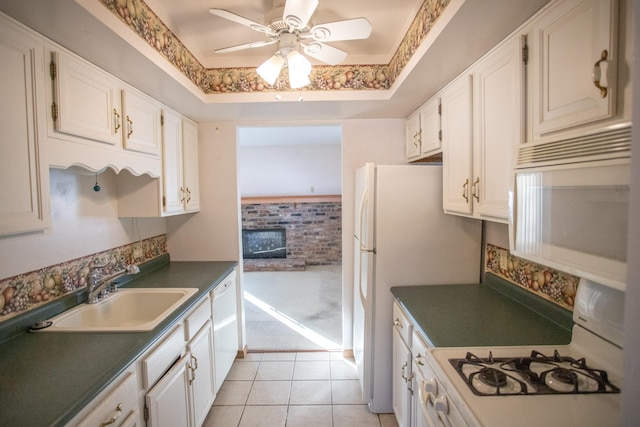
pixel 270 69
pixel 299 69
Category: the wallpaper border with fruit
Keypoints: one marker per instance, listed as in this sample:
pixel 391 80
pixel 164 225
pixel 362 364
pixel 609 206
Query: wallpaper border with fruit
pixel 546 282
pixel 26 291
pixel 143 21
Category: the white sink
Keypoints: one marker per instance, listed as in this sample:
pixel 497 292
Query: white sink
pixel 128 310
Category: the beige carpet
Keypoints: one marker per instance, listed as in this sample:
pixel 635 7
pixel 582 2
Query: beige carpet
pixel 294 310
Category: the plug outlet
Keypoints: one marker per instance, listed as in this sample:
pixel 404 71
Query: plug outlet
pixel 137 251
pixel 504 259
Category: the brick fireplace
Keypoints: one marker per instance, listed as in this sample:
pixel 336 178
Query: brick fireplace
pixel 313 228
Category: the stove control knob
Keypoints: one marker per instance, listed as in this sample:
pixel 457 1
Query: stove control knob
pixel 441 404
pixel 431 386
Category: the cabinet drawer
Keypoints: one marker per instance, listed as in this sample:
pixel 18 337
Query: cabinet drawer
pixel 197 319
pixel 117 405
pixel 402 324
pixel 165 354
pixel 418 347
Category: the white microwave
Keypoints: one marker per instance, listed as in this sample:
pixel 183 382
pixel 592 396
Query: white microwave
pixel 573 217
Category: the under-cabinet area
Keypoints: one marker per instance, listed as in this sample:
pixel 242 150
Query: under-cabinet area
pixel 164 377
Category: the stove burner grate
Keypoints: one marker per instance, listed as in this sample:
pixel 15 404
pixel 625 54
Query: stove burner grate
pixel 537 374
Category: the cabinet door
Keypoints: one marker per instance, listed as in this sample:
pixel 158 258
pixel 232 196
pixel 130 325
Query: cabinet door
pixel 172 194
pixel 168 401
pixel 430 135
pixel 457 146
pixel 412 128
pixel 401 380
pixel 567 41
pixel 190 166
pixel 141 121
pixel 202 381
pixel 24 172
pixel 497 113
pixel 88 101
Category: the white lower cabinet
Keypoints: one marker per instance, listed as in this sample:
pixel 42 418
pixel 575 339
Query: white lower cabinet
pixel 117 406
pixel 178 374
pixel 201 383
pixel 168 403
pixel 402 368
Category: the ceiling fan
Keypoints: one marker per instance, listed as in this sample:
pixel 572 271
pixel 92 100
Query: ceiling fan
pixel 288 24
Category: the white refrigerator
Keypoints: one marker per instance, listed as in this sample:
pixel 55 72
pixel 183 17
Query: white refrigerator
pixel 402 237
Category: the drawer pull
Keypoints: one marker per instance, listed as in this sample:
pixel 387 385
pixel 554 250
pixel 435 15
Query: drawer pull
pixel 398 323
pixel 113 419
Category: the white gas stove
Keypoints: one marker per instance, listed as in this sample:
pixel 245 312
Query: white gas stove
pixel 570 385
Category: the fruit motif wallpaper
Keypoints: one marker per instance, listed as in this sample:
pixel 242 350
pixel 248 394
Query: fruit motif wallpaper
pixel 29 290
pixel 551 284
pixel 144 22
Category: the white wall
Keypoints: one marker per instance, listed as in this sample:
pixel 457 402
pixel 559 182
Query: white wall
pixel 214 232
pixel 83 222
pixel 289 170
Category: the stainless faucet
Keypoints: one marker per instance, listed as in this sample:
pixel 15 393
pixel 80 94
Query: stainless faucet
pixel 97 285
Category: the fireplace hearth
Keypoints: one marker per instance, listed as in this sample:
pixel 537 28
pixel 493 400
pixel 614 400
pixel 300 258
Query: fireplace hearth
pixel 264 243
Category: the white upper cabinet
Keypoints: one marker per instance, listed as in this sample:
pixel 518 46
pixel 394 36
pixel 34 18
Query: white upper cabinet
pixel 498 112
pixel 87 101
pixel 190 166
pixel 96 121
pixel 574 65
pixel 412 135
pixel 457 146
pixel 482 124
pixel 24 172
pixel 141 122
pixel 177 191
pixel 424 136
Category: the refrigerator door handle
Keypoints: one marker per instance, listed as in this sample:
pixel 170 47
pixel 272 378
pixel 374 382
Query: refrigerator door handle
pixel 362 297
pixel 363 203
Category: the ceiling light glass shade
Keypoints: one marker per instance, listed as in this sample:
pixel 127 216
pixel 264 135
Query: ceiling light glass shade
pixel 299 69
pixel 270 69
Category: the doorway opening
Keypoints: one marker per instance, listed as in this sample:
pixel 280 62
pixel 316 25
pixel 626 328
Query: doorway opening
pixel 290 183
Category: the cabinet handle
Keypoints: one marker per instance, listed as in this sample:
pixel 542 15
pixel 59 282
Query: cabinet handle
pixel 475 189
pixel 130 126
pixel 465 188
pixel 418 360
pixel 597 73
pixel 398 323
pixel 188 195
pixel 113 420
pixel 181 195
pixel 402 374
pixel 116 120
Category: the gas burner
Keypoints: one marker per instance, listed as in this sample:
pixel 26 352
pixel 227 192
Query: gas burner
pixel 537 374
pixel 492 377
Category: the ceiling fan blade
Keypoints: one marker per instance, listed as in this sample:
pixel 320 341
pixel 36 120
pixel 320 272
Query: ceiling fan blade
pixel 350 29
pixel 241 20
pixel 325 53
pixel 245 46
pixel 298 12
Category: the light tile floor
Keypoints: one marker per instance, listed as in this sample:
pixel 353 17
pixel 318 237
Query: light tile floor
pixel 306 389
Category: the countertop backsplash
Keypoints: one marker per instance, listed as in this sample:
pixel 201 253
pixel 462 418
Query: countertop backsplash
pixel 29 290
pixel 546 282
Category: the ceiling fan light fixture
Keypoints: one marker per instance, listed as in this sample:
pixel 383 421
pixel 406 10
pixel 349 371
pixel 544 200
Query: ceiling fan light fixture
pixel 270 69
pixel 299 69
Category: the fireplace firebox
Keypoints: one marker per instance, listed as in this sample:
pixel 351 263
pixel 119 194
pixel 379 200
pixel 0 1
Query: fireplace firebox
pixel 264 243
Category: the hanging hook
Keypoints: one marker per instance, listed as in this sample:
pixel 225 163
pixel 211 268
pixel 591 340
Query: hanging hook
pixel 96 187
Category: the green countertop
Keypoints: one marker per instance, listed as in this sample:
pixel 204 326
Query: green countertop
pixel 46 378
pixel 495 313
